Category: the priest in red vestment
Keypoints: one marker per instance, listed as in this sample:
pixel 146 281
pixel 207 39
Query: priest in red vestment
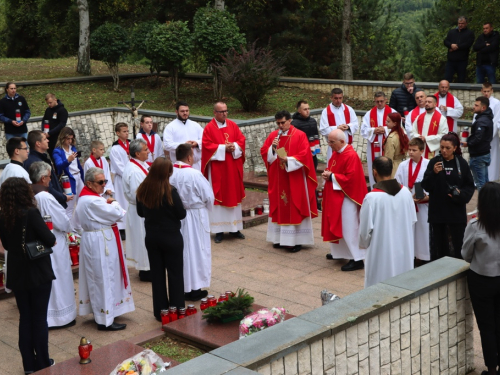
pixel 292 185
pixel 222 158
pixel 343 193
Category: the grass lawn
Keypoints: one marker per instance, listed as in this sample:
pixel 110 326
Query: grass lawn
pixel 175 350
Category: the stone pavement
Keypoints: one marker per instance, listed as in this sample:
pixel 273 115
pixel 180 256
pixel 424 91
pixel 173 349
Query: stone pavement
pixel 273 276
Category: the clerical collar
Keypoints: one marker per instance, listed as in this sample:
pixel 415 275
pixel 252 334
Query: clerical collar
pixel 181 163
pixel 220 124
pixel 391 187
pixel 342 149
pixel 16 162
pixel 143 163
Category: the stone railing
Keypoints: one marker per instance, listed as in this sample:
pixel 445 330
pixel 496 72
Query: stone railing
pixel 98 124
pixel 420 322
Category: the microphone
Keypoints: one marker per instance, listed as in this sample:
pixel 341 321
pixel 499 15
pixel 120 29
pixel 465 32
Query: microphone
pixel 278 137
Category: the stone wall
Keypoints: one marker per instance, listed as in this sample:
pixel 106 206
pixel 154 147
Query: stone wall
pixel 420 322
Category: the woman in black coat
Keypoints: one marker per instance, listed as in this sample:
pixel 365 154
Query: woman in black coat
pixel 160 205
pixel 31 281
pixel 449 181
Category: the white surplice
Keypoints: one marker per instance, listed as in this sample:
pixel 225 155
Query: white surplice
pixel 494 167
pixel 177 132
pixel 118 159
pixel 338 112
pixel 62 303
pixel 197 197
pixel 290 235
pixel 421 228
pixel 105 167
pixel 14 170
pixel 225 219
pixel 432 141
pixel 137 255
pixel 368 134
pixel 455 113
pixel 409 123
pixel 101 287
pixel 158 148
pixel 386 232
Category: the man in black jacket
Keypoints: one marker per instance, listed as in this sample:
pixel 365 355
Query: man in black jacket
pixel 39 144
pixel 487 47
pixel 479 141
pixel 57 117
pixel 403 98
pixel 458 41
pixel 14 113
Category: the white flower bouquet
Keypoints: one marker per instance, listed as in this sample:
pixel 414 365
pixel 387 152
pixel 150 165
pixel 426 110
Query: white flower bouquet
pixel 260 320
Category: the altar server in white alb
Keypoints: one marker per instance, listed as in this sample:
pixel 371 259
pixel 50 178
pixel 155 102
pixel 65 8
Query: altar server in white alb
pixel 338 115
pixel 410 172
pixel 119 157
pixel 449 105
pixel 374 130
pixel 415 112
pixel 183 130
pixel 387 218
pixel 494 167
pixel 153 140
pixel 197 197
pixel 62 304
pixel 104 286
pixel 134 173
pixel 17 149
pixel 98 160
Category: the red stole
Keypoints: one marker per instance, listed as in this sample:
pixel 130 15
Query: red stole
pixel 348 173
pixel 227 175
pixel 374 124
pixel 140 166
pixel 114 227
pixel 291 199
pixel 412 176
pixel 433 127
pixel 331 118
pixel 126 146
pixel 180 166
pixel 414 114
pixel 450 102
pixel 151 145
pixel 94 160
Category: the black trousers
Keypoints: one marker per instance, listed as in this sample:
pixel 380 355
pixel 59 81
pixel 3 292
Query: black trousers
pixel 446 240
pixel 165 251
pixel 485 297
pixel 459 67
pixel 33 328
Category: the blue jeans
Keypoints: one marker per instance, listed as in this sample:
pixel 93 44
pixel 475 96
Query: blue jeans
pixel 479 168
pixel 452 67
pixel 485 71
pixel 9 136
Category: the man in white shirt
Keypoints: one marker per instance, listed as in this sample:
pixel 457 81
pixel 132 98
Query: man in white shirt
pixel 494 168
pixel 18 151
pixel 415 112
pixel 449 105
pixel 152 139
pixel 183 130
pixel 98 160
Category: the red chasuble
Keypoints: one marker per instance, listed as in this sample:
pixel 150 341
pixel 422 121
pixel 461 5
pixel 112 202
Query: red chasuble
pixel 450 102
pixel 374 124
pixel 331 118
pixel 349 174
pixel 433 127
pixel 288 203
pixel 227 175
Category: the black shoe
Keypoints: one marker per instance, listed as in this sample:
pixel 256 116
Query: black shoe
pixel 295 249
pixel 145 276
pixel 276 245
pixel 318 204
pixel 237 234
pixel 52 362
pixel 112 327
pixel 122 234
pixel 353 265
pixel 70 324
pixel 196 295
pixel 219 237
pixel 329 256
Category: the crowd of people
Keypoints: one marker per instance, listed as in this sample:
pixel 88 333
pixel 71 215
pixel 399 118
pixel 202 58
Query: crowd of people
pixel 166 195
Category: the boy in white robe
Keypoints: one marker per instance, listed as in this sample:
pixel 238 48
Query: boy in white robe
pixel 197 197
pixel 152 139
pixel 104 286
pixel 408 177
pixel 98 160
pixel 134 173
pixel 17 149
pixel 119 157
pixel 387 218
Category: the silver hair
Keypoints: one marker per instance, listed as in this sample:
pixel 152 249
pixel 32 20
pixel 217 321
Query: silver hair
pixel 38 170
pixel 136 146
pixel 92 173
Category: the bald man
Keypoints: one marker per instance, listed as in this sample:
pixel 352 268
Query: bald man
pixel 449 105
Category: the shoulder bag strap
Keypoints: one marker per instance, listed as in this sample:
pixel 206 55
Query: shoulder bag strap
pixel 25 225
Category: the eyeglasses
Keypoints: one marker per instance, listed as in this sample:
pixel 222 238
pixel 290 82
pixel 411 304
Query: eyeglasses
pixel 226 111
pixel 101 182
pixel 409 83
pixel 22 148
pixel 281 122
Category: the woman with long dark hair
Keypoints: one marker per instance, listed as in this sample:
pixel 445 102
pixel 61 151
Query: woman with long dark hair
pixel 31 280
pixel 449 181
pixel 482 250
pixel 160 205
pixel 396 143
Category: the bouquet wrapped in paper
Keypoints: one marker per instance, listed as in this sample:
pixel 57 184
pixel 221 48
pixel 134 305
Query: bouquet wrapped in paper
pixel 260 320
pixel 146 362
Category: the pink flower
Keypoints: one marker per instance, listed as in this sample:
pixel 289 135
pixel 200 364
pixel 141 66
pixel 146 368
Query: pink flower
pixel 271 322
pixel 243 329
pixel 258 323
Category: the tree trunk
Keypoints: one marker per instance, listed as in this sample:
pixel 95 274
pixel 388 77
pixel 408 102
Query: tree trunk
pixel 174 82
pixel 346 41
pixel 219 4
pixel 217 84
pixel 113 69
pixel 83 66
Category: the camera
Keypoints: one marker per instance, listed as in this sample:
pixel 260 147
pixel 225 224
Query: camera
pixel 453 191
